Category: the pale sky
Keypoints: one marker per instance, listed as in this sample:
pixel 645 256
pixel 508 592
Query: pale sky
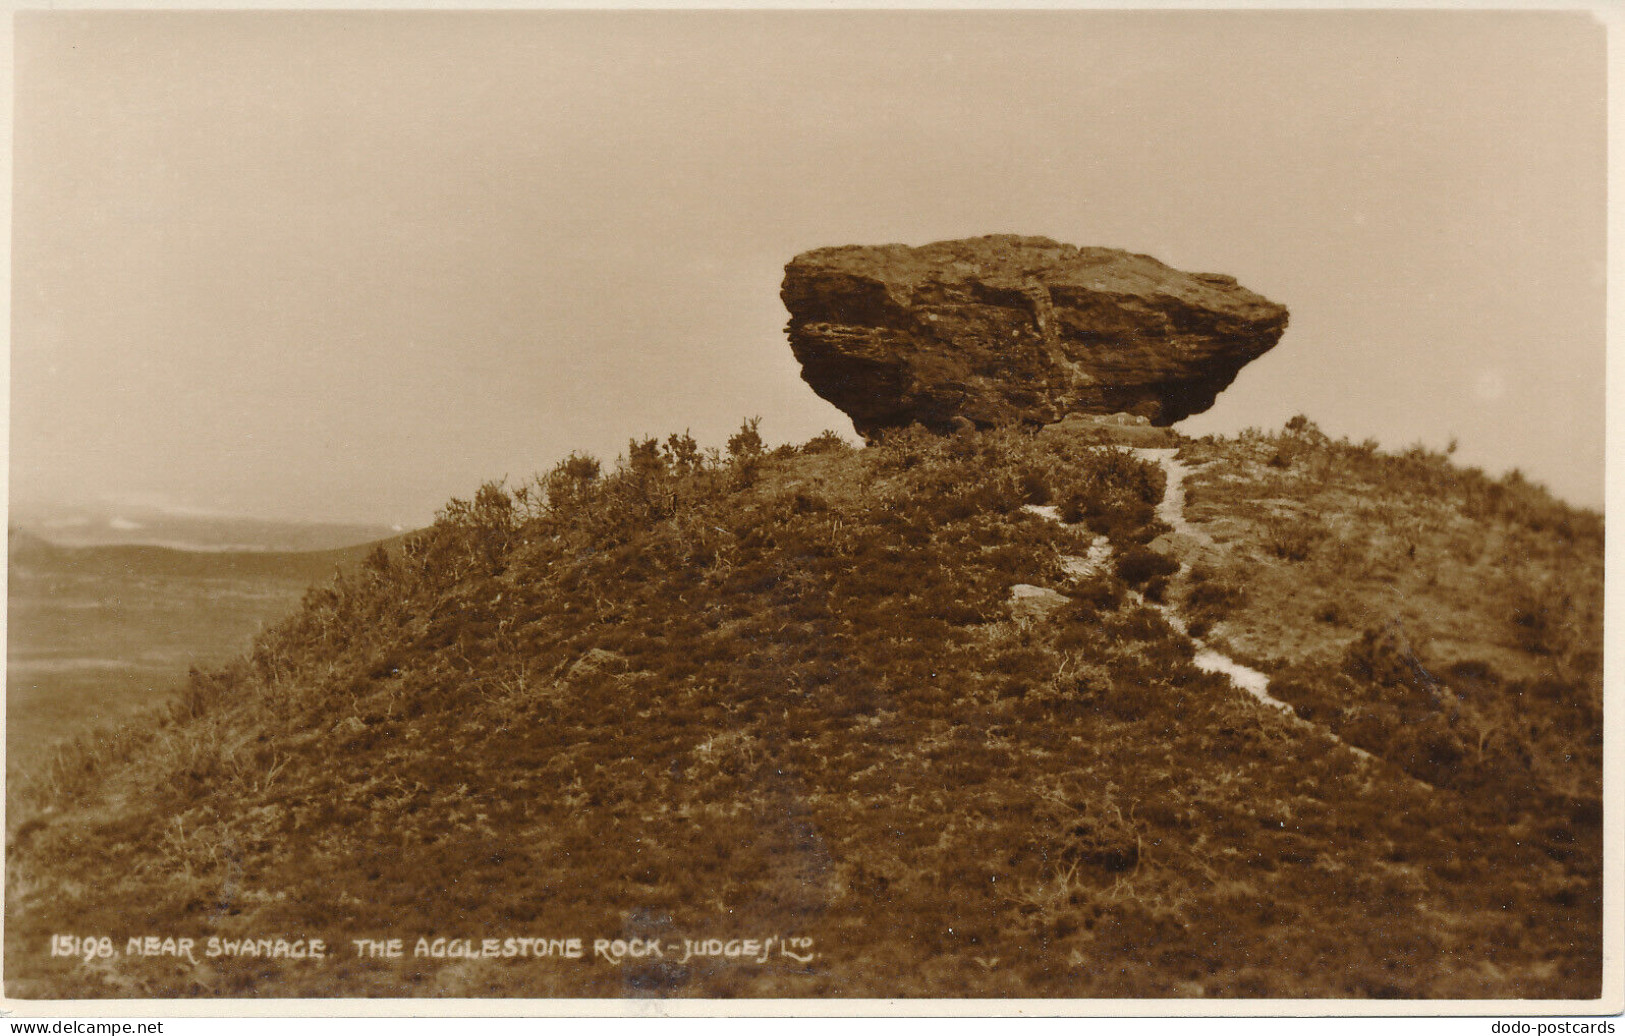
pixel 344 266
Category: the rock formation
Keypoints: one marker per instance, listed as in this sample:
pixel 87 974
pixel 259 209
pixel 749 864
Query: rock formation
pixel 1006 329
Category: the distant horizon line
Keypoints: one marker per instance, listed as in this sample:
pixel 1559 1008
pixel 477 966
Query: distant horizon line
pixel 58 513
pixel 70 513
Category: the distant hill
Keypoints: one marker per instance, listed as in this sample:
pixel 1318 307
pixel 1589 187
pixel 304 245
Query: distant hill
pixel 35 552
pixel 991 714
pixel 95 527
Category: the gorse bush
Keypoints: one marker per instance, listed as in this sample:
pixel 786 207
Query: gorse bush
pixel 827 441
pixel 747 442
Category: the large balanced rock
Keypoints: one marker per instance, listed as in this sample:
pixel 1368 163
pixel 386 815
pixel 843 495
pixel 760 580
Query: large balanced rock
pixel 1006 329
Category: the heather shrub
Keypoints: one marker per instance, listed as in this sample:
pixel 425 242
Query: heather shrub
pixel 1211 597
pixel 1115 493
pixel 1137 566
pixel 1384 657
pixel 1542 619
pixel 1291 538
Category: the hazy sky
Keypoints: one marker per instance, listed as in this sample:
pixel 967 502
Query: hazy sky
pixel 344 266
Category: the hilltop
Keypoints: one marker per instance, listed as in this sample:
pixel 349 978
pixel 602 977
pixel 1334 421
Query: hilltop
pixel 943 707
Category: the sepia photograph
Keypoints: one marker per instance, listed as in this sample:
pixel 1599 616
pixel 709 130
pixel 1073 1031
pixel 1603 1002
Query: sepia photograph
pixel 811 506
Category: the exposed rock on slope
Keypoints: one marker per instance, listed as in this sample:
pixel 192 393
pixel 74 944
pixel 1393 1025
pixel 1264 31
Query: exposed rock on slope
pixel 1007 329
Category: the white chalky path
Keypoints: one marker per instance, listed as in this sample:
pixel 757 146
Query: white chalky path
pixel 1100 550
pixel 1171 509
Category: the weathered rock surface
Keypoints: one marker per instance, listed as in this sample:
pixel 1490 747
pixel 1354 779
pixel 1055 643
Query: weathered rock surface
pixel 1035 602
pixel 1006 329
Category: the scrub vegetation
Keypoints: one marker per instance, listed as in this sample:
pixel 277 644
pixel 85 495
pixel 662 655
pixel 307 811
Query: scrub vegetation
pixel 745 692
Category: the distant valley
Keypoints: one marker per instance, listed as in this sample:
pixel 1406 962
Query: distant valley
pixel 95 633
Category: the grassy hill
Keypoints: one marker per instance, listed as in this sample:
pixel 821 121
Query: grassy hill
pixel 801 695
